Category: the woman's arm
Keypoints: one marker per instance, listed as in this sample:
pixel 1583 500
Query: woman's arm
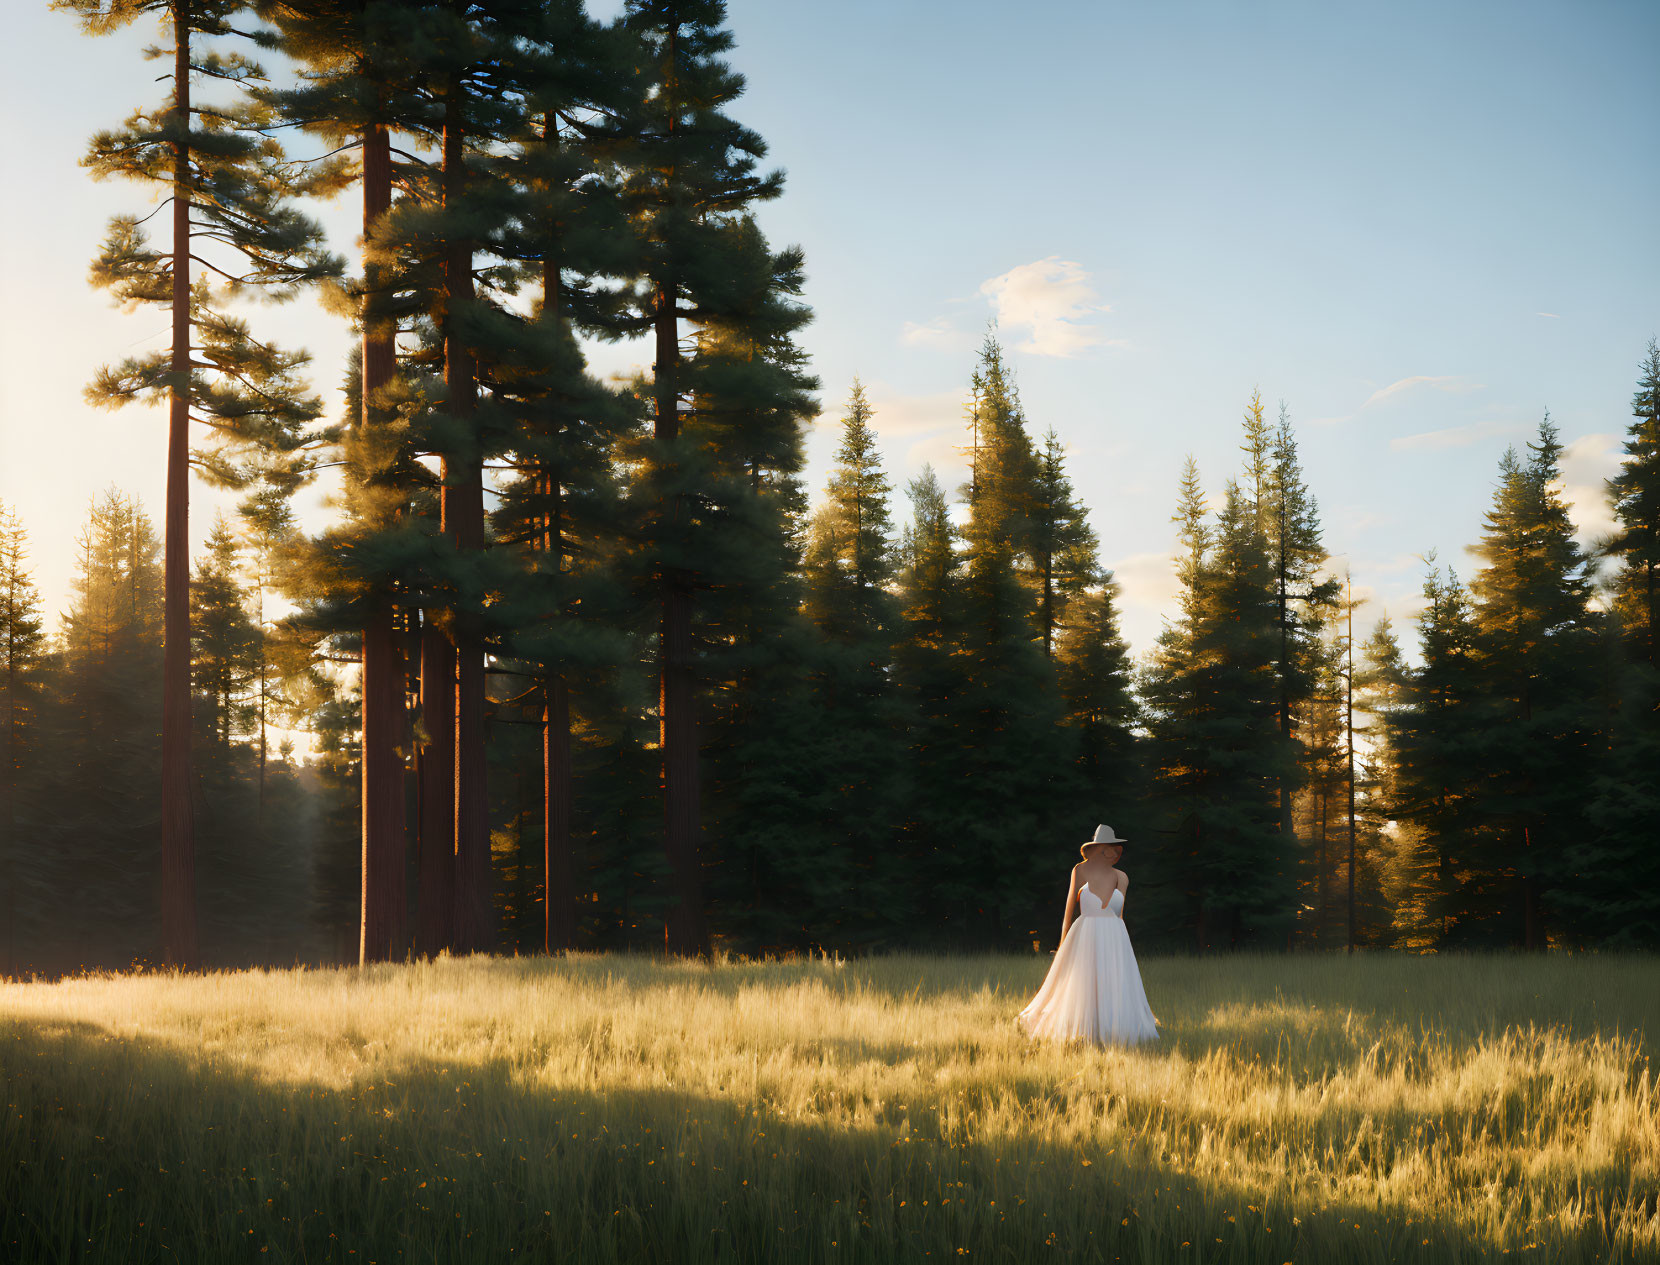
pixel 1071 903
pixel 1124 887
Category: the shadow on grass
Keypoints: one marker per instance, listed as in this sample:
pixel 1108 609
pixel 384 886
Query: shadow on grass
pixel 121 1150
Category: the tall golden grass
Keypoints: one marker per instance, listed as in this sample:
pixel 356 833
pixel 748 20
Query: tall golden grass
pixel 623 1109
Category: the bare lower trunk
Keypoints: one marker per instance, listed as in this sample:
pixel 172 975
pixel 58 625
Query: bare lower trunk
pixel 559 930
pixel 435 777
pixel 178 842
pixel 381 931
pixel 1323 875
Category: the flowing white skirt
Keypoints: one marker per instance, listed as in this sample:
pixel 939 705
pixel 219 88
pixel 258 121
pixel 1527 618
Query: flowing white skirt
pixel 1093 990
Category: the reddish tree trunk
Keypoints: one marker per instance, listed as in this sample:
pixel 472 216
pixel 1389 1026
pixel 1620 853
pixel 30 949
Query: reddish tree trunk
pixel 558 863
pixel 683 930
pixel 178 843
pixel 559 930
pixel 382 932
pixel 1321 880
pixel 463 520
pixel 435 774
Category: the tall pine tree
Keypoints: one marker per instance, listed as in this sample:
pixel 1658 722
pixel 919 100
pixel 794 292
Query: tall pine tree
pixel 1623 869
pixel 1434 736
pixel 692 176
pixel 231 217
pixel 1541 673
pixel 849 570
pixel 1216 745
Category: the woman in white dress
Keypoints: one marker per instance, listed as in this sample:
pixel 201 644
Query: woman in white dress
pixel 1093 990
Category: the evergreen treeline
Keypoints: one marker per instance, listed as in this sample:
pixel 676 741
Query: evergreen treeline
pixel 585 664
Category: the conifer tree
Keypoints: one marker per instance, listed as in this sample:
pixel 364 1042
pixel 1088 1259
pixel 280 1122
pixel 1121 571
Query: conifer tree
pixel 100 775
pixel 929 572
pixel 849 568
pixel 1100 708
pixel 746 536
pixel 1296 555
pixel 1538 643
pixel 225 653
pixel 693 175
pixel 928 559
pixel 1623 878
pixel 1002 464
pixel 1388 895
pixel 1439 760
pixel 1619 887
pixel 1635 491
pixel 1351 862
pixel 1063 546
pixel 230 217
pixel 562 227
pixel 1323 749
pixel 1005 709
pixel 1215 742
pixel 356 92
pixel 22 663
pixel 850 559
pixel 456 75
pixel 466 46
pixel 1259 462
pixel 270 535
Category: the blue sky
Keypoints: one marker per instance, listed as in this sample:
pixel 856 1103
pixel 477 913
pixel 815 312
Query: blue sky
pixel 1419 225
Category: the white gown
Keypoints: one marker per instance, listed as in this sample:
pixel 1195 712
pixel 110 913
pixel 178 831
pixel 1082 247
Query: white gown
pixel 1093 990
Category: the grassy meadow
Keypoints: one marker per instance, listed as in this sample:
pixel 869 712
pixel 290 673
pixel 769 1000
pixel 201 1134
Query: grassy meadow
pixel 622 1109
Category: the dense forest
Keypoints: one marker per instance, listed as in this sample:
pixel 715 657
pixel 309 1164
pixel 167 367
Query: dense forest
pixel 586 664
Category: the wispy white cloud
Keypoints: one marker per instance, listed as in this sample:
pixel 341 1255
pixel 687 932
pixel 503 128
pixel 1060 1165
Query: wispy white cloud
pixel 1586 463
pixel 1452 437
pixel 944 451
pixel 939 333
pixel 1439 382
pixel 1398 563
pixel 896 416
pixel 1555 316
pixel 1053 300
pixel 914 429
pixel 1353 519
pixel 1148 586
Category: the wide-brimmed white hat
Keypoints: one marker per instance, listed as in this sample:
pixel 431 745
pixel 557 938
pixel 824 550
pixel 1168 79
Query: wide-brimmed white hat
pixel 1103 834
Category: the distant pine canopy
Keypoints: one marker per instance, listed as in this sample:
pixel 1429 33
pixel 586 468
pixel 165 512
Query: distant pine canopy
pixel 582 666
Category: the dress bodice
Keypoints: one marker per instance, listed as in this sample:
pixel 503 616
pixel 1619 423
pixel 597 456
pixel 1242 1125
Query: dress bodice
pixel 1090 906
